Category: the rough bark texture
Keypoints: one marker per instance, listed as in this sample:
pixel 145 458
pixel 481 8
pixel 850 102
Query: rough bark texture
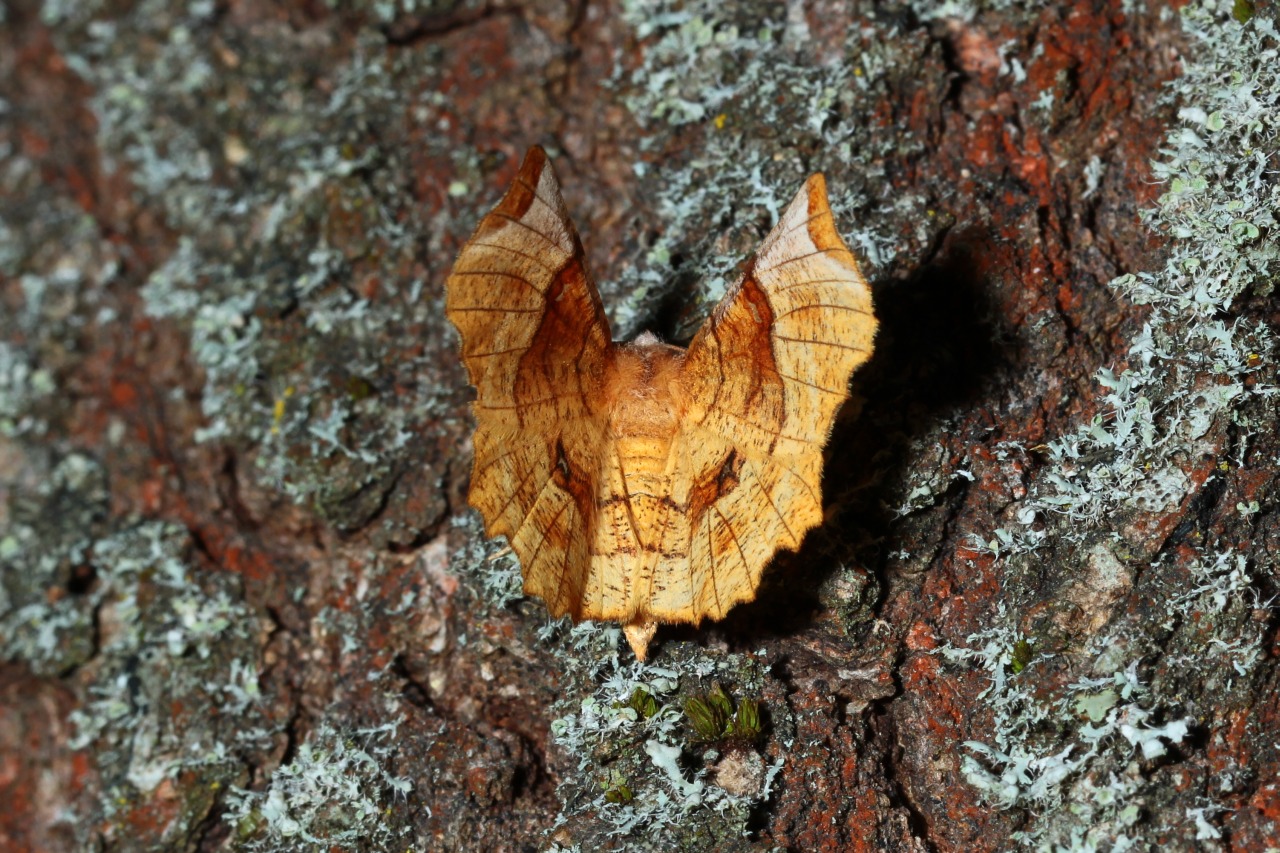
pixel 243 605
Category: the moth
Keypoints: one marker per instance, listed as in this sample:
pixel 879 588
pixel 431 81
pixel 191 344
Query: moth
pixel 640 482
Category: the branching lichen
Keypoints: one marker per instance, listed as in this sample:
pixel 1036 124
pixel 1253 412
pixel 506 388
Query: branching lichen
pixel 172 647
pixel 1192 366
pixel 296 264
pixel 629 730
pixel 335 791
pixel 769 115
pixel 1068 752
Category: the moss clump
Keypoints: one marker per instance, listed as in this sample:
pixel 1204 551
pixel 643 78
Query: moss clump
pixel 716 717
pixel 633 768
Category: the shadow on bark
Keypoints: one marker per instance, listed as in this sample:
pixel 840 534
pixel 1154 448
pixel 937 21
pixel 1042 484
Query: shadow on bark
pixel 937 347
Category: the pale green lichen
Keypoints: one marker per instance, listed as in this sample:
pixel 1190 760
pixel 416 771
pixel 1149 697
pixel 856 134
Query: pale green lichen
pixel 965 10
pixel 489 565
pixel 336 791
pixel 768 114
pixel 390 11
pixel 61 261
pixel 23 382
pixel 1067 754
pixel 1192 367
pixel 647 748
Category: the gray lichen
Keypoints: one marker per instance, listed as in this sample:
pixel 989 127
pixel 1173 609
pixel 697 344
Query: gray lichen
pixel 297 261
pixel 46 551
pixel 767 114
pixel 1192 367
pixel 1067 753
pixel 639 769
pixel 1067 757
pixel 174 642
pixel 301 267
pixel 335 791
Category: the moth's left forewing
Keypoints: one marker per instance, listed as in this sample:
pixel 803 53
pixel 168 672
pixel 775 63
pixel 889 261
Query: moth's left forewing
pixel 536 346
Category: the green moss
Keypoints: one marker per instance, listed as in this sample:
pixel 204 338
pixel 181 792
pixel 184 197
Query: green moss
pixel 613 741
pixel 643 703
pixel 714 716
pixel 1021 655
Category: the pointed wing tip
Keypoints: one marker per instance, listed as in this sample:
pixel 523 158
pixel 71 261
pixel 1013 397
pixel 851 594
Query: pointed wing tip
pixel 535 160
pixel 816 187
pixel 525 186
pixel 531 168
pixel 815 192
pixel 538 176
pixel 822 224
pixel 811 197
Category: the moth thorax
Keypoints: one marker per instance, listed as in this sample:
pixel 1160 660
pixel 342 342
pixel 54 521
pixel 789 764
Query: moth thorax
pixel 640 390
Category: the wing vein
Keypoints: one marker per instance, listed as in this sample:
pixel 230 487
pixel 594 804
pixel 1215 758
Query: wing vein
pixel 484 309
pixel 497 273
pixel 814 218
pixel 493 352
pixel 808 488
pixel 849 347
pixel 815 387
pixel 525 225
pixel 534 258
pixel 821 305
pixel 810 281
pixel 794 258
pixel 787 527
pixel 520 404
pixel 512 497
pixel 533 561
pixel 761 427
pixel 494 461
pixel 534 192
pixel 711 552
pixel 733 533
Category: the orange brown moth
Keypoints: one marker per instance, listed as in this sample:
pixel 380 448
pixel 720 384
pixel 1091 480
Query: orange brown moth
pixel 641 482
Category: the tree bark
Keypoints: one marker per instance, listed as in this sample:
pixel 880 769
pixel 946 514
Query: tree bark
pixel 243 602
